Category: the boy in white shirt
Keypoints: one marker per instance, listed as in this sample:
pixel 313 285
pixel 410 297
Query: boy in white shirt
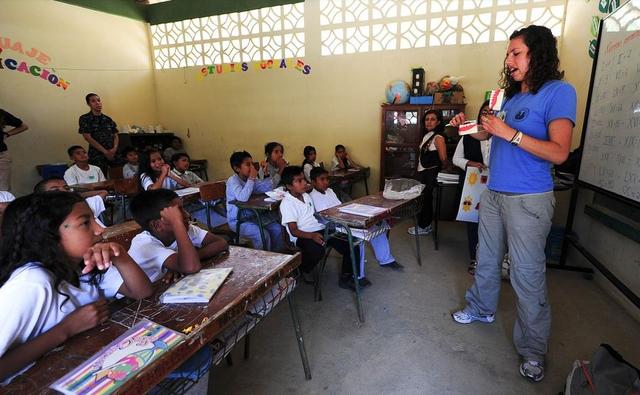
pixel 168 241
pixel 130 169
pixel 181 162
pixel 323 198
pixel 304 229
pixel 81 172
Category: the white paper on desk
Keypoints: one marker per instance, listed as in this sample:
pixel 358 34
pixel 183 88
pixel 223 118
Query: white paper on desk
pixel 352 169
pixel 187 191
pixel 362 209
pixel 270 200
pixel 276 194
pixel 196 288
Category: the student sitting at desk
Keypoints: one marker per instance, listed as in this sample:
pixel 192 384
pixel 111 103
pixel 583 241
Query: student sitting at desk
pixel 240 187
pixel 181 162
pixel 168 241
pixel 95 199
pixel 298 216
pixel 309 162
pixel 156 174
pixel 55 275
pixel 81 172
pixel 130 169
pixel 323 198
pixel 274 163
pixel 342 160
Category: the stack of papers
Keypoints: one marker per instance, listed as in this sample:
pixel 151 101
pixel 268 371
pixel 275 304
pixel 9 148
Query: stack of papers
pixel 187 191
pixel 196 288
pixel 448 178
pixel 363 210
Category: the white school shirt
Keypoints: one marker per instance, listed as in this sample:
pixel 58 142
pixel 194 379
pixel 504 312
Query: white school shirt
pixel 6 197
pixel 96 204
pixel 306 169
pixel 150 253
pixel 459 159
pixel 431 147
pixel 323 201
pixel 293 210
pixel 31 305
pixel 129 170
pixel 168 183
pixel 75 175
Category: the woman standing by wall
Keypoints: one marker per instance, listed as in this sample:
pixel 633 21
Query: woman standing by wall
pixel 540 113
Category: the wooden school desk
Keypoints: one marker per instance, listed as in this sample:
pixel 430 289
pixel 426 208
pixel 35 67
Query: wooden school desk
pixel 259 207
pixel 351 175
pixel 254 274
pixel 395 209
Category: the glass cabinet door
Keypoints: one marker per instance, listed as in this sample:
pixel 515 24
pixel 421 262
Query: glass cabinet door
pixel 400 162
pixel 401 127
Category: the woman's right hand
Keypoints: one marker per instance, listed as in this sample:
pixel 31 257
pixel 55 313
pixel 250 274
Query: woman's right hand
pixel 476 164
pixel 85 317
pixel 458 119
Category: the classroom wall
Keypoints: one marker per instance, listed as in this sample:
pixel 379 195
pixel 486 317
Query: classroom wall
pixel 94 52
pixel 338 102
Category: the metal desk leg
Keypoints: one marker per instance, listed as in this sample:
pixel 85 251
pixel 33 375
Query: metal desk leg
pixel 366 186
pixel 355 275
pixel 299 337
pixel 264 242
pixel 417 237
pixel 124 207
pixel 207 209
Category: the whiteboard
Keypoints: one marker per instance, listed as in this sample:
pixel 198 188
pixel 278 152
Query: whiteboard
pixel 611 143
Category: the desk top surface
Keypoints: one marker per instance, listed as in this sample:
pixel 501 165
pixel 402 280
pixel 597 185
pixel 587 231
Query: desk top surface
pixel 257 202
pixel 94 186
pixel 349 173
pixel 254 272
pixel 357 221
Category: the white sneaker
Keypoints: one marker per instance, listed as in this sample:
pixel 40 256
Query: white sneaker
pixel 421 231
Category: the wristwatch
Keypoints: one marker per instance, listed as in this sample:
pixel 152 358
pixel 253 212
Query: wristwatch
pixel 517 138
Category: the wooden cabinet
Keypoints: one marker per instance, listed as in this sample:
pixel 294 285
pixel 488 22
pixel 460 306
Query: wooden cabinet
pixel 402 132
pixel 143 141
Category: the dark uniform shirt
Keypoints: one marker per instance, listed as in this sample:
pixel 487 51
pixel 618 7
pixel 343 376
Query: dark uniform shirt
pixel 6 119
pixel 102 129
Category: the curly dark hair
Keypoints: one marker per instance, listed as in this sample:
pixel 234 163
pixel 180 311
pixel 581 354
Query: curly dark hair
pixel 30 233
pixel 543 60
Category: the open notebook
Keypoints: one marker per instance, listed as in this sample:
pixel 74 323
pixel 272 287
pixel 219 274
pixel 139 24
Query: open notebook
pixel 196 288
pixel 363 210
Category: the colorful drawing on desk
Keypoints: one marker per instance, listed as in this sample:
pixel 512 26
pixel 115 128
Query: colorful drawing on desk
pixel 120 361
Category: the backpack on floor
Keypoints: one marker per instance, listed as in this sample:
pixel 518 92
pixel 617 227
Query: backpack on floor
pixel 606 374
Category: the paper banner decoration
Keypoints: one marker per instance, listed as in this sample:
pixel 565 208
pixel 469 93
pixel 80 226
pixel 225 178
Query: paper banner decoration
pixel 475 183
pixel 120 361
pixel 8 63
pixel 281 64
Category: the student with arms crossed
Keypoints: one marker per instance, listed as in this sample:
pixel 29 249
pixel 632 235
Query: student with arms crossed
pixel 168 241
pixel 55 274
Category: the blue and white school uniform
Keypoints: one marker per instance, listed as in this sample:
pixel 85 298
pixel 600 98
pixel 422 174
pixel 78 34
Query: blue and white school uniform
pixel 380 243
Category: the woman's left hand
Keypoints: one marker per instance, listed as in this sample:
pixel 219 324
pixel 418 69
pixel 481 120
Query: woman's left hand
pixel 497 127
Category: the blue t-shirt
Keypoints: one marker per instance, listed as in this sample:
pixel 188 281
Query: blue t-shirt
pixel 513 169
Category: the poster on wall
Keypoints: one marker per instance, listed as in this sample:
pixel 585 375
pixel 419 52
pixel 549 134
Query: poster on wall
pixel 297 65
pixel 475 183
pixel 12 54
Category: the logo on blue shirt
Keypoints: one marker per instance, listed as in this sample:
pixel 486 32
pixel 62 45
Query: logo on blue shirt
pixel 522 114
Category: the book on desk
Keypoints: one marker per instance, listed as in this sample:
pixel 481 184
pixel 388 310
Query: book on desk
pixel 196 288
